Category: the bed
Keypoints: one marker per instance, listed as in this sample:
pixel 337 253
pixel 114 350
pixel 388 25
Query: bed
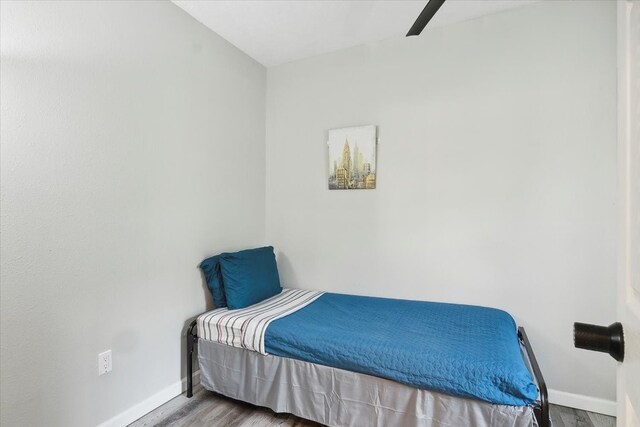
pixel 345 360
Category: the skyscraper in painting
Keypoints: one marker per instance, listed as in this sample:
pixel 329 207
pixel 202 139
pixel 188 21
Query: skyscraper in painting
pixel 352 158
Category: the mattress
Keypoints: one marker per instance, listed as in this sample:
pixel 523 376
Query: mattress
pixel 342 398
pixel 465 351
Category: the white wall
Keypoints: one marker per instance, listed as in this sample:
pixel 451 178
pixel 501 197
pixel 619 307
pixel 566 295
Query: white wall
pixel 132 147
pixel 496 174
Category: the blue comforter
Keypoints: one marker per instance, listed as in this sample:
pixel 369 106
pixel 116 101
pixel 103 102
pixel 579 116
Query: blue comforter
pixel 461 350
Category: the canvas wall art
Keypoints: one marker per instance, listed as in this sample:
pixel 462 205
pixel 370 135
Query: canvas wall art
pixel 352 158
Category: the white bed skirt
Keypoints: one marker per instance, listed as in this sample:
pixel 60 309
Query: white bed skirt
pixel 340 398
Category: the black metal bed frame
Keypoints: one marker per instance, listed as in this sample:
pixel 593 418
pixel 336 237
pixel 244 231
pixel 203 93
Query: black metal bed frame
pixel 540 410
pixel 192 343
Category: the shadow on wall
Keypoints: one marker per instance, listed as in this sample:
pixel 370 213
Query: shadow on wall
pixel 285 269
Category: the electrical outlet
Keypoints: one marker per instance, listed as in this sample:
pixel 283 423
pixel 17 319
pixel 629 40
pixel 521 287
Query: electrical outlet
pixel 104 362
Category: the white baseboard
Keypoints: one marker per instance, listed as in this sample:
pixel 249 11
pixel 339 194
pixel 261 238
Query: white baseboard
pixel 160 398
pixel 586 403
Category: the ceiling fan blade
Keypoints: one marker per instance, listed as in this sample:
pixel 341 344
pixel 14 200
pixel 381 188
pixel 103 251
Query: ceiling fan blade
pixel 425 16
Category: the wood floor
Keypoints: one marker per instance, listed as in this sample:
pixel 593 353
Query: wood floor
pixel 209 409
pixel 561 416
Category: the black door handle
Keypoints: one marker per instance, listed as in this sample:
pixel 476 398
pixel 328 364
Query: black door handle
pixel 607 339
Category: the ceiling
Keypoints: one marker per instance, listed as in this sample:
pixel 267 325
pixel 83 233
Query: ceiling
pixel 274 32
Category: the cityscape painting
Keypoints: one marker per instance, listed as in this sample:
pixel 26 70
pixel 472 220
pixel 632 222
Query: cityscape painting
pixel 352 158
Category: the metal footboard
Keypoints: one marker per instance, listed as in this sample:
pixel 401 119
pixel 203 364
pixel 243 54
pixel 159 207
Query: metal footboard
pixel 541 409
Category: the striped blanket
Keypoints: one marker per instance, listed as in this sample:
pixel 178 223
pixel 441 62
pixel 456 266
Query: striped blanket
pixel 246 327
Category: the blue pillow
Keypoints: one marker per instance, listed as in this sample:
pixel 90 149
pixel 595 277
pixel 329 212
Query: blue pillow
pixel 250 276
pixel 212 274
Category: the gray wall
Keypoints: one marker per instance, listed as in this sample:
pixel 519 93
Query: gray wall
pixel 132 147
pixel 496 174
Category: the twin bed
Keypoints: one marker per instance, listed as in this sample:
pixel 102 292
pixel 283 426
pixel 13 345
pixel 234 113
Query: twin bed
pixel 344 360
